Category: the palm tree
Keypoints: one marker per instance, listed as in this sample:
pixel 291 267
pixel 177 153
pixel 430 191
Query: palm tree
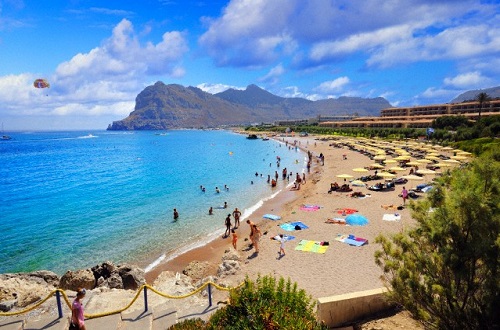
pixel 482 98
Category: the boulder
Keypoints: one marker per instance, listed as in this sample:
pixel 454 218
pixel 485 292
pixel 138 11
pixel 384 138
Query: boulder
pixel 103 270
pixel 228 267
pixel 197 269
pixel 133 277
pixel 7 305
pixel 231 254
pixel 73 280
pixel 114 281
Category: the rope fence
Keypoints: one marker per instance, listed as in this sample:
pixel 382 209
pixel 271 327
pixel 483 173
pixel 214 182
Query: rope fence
pixel 145 287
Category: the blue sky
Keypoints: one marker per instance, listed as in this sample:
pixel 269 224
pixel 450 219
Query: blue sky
pixel 98 55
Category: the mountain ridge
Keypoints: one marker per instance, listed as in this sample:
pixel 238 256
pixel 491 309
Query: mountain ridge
pixel 161 106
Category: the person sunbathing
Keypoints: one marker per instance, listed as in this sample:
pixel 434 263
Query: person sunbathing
pixel 357 194
pixel 333 187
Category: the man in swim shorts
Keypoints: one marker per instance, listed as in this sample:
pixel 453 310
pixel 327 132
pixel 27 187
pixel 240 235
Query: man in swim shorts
pixel 236 215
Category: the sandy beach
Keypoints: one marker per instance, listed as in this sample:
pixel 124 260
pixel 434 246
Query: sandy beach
pixel 343 268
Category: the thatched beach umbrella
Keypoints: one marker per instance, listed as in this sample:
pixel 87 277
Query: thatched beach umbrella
pixel 375 165
pixel 397 169
pixel 412 177
pixel 459 157
pixel 426 171
pixel 386 175
pixel 360 169
pixel 344 176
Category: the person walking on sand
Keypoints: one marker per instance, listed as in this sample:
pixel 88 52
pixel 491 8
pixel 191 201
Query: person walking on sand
pixel 228 226
pixel 176 214
pixel 236 216
pixel 404 195
pixel 235 238
pixel 251 224
pixel 282 241
pixel 256 234
pixel 77 318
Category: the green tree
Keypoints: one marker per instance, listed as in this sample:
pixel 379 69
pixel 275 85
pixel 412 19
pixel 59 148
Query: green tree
pixel 482 98
pixel 445 270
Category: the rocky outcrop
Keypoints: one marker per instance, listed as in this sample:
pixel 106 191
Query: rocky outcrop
pixel 23 289
pixel 132 277
pixel 73 280
pixel 230 264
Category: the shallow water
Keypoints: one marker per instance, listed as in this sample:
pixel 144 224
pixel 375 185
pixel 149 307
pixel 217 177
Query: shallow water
pixel 75 199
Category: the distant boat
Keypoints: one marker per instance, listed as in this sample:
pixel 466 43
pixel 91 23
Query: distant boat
pixel 4 136
pixel 252 137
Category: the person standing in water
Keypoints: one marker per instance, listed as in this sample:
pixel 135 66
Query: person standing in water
pixel 176 214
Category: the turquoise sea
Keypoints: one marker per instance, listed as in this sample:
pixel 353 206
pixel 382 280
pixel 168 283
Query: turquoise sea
pixel 72 200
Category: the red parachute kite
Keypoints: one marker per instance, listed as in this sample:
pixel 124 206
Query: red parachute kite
pixel 41 83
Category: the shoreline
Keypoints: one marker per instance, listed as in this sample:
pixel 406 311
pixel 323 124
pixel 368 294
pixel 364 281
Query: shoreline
pixel 212 250
pixel 342 268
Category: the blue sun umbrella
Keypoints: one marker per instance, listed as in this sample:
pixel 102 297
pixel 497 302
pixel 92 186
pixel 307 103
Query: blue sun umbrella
pixel 356 220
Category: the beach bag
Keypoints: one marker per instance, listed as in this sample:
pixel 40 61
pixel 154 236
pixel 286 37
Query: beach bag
pixel 73 326
pixel 297 227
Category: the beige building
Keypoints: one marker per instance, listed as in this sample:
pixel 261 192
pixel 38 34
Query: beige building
pixel 418 116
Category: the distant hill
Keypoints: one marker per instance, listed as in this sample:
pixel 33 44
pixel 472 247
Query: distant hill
pixel 162 106
pixel 493 92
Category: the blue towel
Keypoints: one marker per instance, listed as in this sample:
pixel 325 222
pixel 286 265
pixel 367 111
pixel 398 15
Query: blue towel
pixel 291 226
pixel 271 217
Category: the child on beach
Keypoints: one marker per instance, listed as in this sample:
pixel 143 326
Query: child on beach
pixel 235 238
pixel 282 241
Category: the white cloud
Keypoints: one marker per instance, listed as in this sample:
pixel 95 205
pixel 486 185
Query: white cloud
pixel 360 42
pixel 101 83
pixel 433 93
pixel 216 88
pixel 273 75
pixel 333 86
pixel 466 80
pixel 122 55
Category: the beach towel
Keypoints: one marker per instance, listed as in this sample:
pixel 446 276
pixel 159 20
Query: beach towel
pixel 338 221
pixel 312 246
pixel 351 240
pixel 309 207
pixel 271 217
pixel 287 237
pixel 293 226
pixel 346 211
pixel 391 217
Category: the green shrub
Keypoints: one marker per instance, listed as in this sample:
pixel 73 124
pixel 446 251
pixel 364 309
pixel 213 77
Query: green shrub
pixel 267 304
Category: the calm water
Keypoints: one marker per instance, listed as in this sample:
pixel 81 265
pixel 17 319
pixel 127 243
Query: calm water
pixel 71 200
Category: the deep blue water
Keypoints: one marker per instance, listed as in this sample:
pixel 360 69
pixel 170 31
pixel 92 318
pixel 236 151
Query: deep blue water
pixel 72 200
